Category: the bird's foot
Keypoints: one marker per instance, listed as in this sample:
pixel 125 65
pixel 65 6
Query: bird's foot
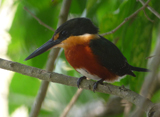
pixel 96 84
pixel 80 80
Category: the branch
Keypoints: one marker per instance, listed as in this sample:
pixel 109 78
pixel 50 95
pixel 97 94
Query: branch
pixel 39 21
pixel 151 9
pixel 50 62
pixel 72 81
pixel 126 19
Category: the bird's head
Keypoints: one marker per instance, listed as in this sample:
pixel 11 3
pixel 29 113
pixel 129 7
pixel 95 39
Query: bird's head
pixel 74 28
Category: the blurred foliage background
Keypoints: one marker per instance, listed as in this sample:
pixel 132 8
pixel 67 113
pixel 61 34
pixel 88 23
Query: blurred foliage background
pixel 136 39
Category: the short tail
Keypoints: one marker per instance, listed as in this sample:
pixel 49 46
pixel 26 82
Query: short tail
pixel 139 69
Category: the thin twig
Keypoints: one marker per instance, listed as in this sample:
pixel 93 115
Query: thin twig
pixel 126 19
pixel 71 81
pixel 147 16
pixel 50 63
pixel 151 9
pixel 39 21
pixel 71 103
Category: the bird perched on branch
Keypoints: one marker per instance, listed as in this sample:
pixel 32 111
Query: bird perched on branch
pixel 88 53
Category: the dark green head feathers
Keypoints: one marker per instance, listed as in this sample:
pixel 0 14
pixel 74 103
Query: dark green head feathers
pixel 76 26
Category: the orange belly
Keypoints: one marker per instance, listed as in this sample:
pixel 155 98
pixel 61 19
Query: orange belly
pixel 81 57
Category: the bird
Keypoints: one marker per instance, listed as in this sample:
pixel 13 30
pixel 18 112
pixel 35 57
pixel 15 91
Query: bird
pixel 88 52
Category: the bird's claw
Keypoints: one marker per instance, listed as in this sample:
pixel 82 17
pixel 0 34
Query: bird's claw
pixel 95 85
pixel 80 80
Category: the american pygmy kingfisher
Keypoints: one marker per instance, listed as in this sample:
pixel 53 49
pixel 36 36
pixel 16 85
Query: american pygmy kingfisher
pixel 89 53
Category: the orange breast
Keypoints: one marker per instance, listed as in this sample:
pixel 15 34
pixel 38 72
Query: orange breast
pixel 80 56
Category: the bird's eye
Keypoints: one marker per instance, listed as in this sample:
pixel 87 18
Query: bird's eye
pixel 64 33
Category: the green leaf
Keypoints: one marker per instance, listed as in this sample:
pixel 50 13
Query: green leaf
pixel 77 7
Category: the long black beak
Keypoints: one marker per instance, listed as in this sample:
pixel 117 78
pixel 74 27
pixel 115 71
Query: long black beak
pixel 49 44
